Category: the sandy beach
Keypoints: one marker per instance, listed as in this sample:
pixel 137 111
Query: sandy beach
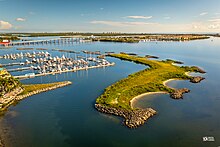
pixel 142 95
pixel 149 93
pixel 167 81
pixel 187 73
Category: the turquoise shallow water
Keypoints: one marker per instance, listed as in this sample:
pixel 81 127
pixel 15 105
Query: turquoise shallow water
pixel 66 117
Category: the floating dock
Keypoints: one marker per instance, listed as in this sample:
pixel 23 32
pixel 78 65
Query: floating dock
pixel 58 72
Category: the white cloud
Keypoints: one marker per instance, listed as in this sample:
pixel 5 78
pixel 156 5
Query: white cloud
pixel 208 26
pixel 216 20
pixel 214 26
pixel 32 13
pixel 121 24
pixel 203 13
pixel 137 26
pixel 101 8
pixel 20 19
pixel 195 26
pixel 4 25
pixel 139 17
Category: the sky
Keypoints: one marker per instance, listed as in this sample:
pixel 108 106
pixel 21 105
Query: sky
pixel 129 16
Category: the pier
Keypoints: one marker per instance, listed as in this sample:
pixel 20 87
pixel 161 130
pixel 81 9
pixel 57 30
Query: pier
pixel 19 69
pixel 48 41
pixel 9 64
pixel 59 72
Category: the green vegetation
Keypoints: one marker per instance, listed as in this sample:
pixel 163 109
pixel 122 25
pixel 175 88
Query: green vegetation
pixel 118 39
pixel 150 79
pixel 7 82
pixel 173 37
pixel 11 38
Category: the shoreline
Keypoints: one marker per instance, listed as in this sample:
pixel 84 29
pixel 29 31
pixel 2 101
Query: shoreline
pixel 143 95
pixel 134 87
pixel 20 96
pixel 167 81
pixel 151 93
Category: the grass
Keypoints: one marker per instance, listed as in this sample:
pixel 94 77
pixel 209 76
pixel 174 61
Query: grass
pixel 150 79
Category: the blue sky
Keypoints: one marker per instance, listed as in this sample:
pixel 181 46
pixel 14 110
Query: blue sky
pixel 147 16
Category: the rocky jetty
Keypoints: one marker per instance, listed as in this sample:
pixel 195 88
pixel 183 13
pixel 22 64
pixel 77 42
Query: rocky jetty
pixel 178 93
pixel 174 61
pixel 151 56
pixel 133 118
pixel 196 79
pixel 138 117
pixel 20 97
pixel 1 143
pixel 199 70
pixel 17 95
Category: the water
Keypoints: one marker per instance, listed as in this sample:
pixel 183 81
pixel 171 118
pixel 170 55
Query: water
pixel 66 117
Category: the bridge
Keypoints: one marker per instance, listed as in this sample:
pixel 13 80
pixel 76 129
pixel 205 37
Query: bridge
pixel 48 41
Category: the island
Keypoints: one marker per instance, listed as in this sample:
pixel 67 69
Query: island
pixel 116 39
pixel 111 36
pixel 158 37
pixel 117 98
pixel 12 90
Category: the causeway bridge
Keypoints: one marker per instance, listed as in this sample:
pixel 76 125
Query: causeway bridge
pixel 47 41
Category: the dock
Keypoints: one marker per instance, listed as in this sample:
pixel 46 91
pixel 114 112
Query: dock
pixel 59 72
pixel 10 64
pixel 18 69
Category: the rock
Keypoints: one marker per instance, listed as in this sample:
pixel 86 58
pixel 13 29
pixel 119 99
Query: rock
pixel 132 54
pixel 199 69
pixel 150 56
pixel 196 79
pixel 138 117
pixel 178 94
pixel 1 143
pixel 133 118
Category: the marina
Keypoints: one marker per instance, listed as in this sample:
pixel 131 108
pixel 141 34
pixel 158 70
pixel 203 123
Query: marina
pixel 43 63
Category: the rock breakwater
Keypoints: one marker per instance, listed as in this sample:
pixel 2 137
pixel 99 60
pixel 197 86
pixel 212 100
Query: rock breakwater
pixel 20 97
pixel 133 118
pixel 196 79
pixel 16 95
pixel 178 93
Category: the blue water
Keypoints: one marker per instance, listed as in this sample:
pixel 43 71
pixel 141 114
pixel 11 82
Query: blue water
pixel 66 117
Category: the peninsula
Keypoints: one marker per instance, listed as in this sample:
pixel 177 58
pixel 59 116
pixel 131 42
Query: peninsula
pixel 117 98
